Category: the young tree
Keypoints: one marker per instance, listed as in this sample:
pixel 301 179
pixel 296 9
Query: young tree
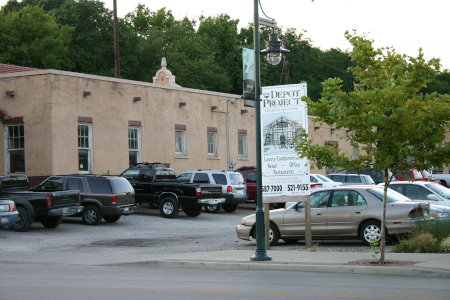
pixel 394 125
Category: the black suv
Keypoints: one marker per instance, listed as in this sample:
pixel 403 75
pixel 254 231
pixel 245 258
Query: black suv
pixel 107 197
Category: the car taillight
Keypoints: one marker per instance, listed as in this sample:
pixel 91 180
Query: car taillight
pixel 49 201
pixel 79 198
pixel 12 207
pixel 229 189
pixel 114 199
pixel 416 211
pixel 198 191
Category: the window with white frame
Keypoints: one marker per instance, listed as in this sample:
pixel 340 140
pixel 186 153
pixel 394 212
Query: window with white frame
pixel 212 143
pixel 242 145
pixel 180 141
pixel 15 148
pixel 85 148
pixel 134 144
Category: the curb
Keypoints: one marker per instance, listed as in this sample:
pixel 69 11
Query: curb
pixel 251 266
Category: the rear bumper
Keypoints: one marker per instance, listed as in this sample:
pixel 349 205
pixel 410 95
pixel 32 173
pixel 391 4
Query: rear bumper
pixel 400 226
pixel 119 210
pixel 8 219
pixel 65 211
pixel 233 199
pixel 211 201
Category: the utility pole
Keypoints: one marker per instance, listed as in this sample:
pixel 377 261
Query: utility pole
pixel 116 42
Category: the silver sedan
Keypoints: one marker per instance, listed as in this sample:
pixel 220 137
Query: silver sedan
pixel 342 212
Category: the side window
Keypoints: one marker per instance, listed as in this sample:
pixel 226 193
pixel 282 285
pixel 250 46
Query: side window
pixel 146 175
pixel 185 177
pixel 220 179
pixel 6 183
pixel 338 178
pixel 251 177
pixel 354 179
pixel 360 201
pixel 320 199
pixel 99 185
pixel 74 184
pixel 53 183
pixel 131 175
pixel 201 178
pixel 397 187
pixel 313 179
pixel 415 192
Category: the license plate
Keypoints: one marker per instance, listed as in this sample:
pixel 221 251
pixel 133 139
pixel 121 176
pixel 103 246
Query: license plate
pixel 4 219
pixel 127 209
pixel 65 211
pixel 239 192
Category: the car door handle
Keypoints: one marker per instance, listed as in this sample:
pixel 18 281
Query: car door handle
pixel 318 214
pixel 358 212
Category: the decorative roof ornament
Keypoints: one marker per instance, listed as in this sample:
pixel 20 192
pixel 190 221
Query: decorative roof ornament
pixel 164 76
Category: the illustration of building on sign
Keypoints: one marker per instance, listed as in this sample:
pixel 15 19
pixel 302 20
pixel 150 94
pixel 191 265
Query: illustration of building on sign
pixel 279 134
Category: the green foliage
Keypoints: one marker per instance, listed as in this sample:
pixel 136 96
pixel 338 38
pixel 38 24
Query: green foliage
pixel 374 246
pixel 31 37
pixel 439 227
pixel 445 245
pixel 422 242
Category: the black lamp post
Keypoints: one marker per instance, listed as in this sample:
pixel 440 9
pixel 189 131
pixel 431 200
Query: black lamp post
pixel 274 52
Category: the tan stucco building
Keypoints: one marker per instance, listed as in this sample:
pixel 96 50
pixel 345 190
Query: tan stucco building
pixel 57 122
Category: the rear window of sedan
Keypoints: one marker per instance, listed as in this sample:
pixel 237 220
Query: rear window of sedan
pixel 392 196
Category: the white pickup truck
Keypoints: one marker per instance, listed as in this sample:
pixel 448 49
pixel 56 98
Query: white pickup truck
pixel 444 178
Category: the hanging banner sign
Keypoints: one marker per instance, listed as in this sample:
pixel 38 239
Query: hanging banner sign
pixel 249 76
pixel 283 115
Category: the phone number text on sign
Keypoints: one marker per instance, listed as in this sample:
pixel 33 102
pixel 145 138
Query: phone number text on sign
pixel 291 188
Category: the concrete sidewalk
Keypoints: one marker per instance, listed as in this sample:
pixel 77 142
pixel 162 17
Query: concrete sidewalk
pixel 402 264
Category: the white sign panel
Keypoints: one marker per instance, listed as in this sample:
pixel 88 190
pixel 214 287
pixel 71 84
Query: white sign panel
pixel 283 115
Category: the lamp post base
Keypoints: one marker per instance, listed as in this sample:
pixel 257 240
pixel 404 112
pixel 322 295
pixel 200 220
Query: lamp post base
pixel 260 256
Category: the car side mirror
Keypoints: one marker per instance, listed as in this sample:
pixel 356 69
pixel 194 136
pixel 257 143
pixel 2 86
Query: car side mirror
pixel 432 197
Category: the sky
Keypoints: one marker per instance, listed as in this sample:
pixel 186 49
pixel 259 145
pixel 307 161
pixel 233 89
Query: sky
pixel 406 25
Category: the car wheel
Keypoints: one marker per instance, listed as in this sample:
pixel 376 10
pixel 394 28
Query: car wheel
pixel 193 211
pixel 213 208
pixel 230 207
pixel 23 221
pixel 168 207
pixel 112 219
pixel 370 232
pixel 274 234
pixel 91 215
pixel 51 222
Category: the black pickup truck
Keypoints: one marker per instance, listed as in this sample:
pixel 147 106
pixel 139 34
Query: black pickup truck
pixel 156 184
pixel 45 207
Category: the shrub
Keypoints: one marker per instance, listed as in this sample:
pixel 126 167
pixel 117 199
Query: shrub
pixel 439 228
pixel 419 242
pixel 445 245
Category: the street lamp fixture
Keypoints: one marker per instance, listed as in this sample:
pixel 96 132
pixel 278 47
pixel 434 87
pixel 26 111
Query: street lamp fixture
pixel 274 49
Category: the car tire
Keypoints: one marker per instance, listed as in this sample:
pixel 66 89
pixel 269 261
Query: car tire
pixel 51 222
pixel 91 215
pixel 112 219
pixel 23 221
pixel 213 208
pixel 274 234
pixel 230 207
pixel 168 208
pixel 193 211
pixel 369 231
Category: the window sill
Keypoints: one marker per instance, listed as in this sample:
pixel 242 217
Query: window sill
pixel 215 157
pixel 243 158
pixel 181 156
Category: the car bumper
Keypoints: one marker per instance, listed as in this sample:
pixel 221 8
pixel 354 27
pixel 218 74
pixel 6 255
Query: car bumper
pixel 400 226
pixel 235 199
pixel 243 232
pixel 211 201
pixel 65 211
pixel 119 210
pixel 8 219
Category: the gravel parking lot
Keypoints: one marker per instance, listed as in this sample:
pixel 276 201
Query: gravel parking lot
pixel 147 232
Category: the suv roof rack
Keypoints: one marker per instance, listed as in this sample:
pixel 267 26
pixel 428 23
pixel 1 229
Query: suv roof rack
pixel 150 165
pixel 204 170
pixel 245 168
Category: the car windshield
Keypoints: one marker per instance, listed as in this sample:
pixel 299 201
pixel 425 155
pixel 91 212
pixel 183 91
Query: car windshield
pixel 324 179
pixel 439 189
pixel 392 196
